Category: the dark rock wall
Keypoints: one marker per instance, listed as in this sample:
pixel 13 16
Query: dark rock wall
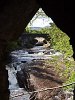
pixel 15 15
pixel 28 40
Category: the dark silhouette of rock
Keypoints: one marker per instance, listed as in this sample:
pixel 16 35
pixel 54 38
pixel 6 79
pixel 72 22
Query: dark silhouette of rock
pixel 14 17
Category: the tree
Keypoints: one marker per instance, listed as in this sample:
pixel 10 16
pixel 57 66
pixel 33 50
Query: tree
pixel 40 14
pixel 60 41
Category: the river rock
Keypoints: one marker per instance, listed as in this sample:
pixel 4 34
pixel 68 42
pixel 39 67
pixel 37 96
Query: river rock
pixel 37 78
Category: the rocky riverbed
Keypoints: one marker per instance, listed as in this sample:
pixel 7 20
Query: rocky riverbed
pixel 28 73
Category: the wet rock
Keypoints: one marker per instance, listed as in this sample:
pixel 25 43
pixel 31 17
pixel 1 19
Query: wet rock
pixel 30 52
pixel 23 61
pixel 21 77
pixel 68 95
pixel 39 44
pixel 71 98
pixel 45 41
pixel 14 94
pixel 36 78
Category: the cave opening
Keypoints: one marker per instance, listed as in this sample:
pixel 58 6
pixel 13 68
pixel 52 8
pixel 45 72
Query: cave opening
pixel 59 46
pixel 14 17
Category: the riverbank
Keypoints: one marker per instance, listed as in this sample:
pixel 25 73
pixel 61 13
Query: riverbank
pixel 36 68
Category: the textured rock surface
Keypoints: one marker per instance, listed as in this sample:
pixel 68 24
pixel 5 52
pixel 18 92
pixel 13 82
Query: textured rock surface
pixel 35 78
pixel 15 15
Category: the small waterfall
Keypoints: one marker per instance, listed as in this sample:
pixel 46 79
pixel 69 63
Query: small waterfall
pixel 25 56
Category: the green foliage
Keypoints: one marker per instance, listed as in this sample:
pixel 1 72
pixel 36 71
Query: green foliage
pixel 28 29
pixel 59 40
pixel 65 68
pixel 65 65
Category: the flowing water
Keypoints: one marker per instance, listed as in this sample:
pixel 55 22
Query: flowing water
pixel 25 56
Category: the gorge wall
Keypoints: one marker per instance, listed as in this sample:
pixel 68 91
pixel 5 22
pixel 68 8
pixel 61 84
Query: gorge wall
pixel 14 17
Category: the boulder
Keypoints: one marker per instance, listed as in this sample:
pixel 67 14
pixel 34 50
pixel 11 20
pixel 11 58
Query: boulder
pixel 37 78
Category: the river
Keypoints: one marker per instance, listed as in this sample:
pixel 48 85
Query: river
pixel 25 56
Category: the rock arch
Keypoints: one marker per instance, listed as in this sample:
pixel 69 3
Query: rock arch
pixel 15 15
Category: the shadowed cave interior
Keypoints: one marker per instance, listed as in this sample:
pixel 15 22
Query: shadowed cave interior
pixel 14 17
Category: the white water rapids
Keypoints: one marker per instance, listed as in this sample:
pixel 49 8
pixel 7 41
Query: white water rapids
pixel 25 56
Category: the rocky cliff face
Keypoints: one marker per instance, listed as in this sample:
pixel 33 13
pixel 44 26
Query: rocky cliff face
pixel 14 16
